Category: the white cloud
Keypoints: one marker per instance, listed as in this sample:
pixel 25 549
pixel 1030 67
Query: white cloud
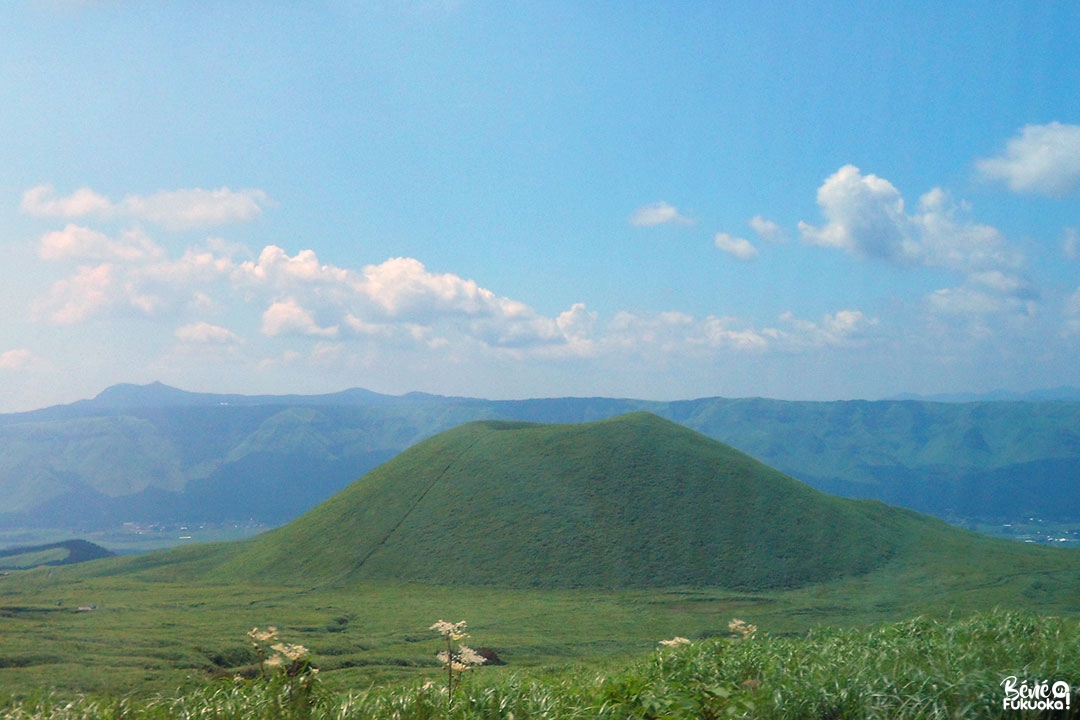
pixel 16 359
pixel 196 266
pixel 287 316
pixel 397 298
pixel 396 308
pixel 277 268
pixel 658 213
pixel 205 333
pixel 864 215
pixel 942 237
pixel 42 202
pixel 834 329
pixel 677 334
pixel 196 207
pixel 1003 284
pixel 738 247
pixel 77 298
pixel 76 242
pixel 974 300
pixel 1042 159
pixel 177 209
pixel 578 323
pixel 403 288
pixel 718 332
pixel 766 229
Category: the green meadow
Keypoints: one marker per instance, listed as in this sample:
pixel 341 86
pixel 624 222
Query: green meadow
pixel 158 649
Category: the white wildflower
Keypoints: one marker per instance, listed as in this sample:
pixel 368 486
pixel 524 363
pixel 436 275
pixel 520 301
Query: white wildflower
pixel 469 656
pixel 292 652
pixel 453 631
pixel 261 636
pixel 742 628
pixel 675 641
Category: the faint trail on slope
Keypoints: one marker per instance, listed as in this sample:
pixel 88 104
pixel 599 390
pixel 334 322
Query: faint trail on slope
pixel 405 515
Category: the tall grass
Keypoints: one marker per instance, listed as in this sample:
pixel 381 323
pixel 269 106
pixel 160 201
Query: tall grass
pixel 919 668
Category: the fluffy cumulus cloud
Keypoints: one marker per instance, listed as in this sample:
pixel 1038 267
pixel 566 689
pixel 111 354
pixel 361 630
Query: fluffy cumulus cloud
pixel 178 209
pixel 866 216
pixel 658 213
pixel 1042 159
pixel 404 288
pixel 737 247
pixel 276 269
pixel 287 316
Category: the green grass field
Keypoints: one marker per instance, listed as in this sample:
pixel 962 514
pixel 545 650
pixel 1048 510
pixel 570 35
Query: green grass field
pixel 919 668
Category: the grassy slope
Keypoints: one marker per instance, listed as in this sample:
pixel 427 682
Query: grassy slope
pixel 636 501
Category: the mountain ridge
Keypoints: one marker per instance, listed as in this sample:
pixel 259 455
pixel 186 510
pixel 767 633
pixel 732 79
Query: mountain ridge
pixel 207 457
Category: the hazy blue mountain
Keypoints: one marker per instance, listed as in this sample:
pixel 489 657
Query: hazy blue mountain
pixel 1065 393
pixel 156 453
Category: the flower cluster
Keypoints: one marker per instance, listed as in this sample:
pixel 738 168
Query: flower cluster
pixel 451 631
pixel 742 629
pixel 455 661
pixel 294 659
pixel 258 637
pixel 675 641
pixel 461 659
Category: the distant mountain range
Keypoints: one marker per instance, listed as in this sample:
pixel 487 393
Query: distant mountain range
pixel 1065 393
pixel 154 453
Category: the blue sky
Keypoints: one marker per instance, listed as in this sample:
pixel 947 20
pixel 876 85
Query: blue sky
pixel 506 200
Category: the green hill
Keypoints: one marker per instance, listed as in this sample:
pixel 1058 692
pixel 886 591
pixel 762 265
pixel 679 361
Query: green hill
pixel 67 552
pixel 634 501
